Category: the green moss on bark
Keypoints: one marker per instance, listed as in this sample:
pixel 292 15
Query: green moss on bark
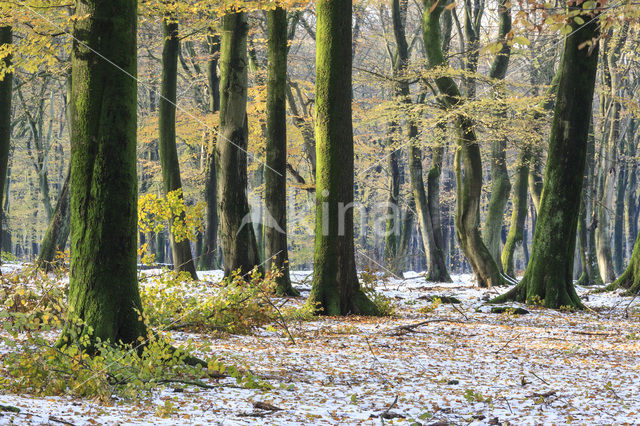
pixel 239 247
pixel 276 251
pixel 103 291
pixel 335 289
pixel 549 276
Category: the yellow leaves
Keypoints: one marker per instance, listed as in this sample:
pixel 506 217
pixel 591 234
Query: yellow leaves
pixel 154 213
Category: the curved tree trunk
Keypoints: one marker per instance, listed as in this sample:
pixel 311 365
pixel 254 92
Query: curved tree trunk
pixel 469 185
pixel 181 248
pixel 103 290
pixel 210 242
pixel 276 251
pixel 519 212
pixel 427 204
pixel 335 289
pixel 549 276
pixel 239 246
pixel 6 90
pixel 500 185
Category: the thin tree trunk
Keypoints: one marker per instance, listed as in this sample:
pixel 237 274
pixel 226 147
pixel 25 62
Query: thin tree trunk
pixel 549 276
pixel 103 291
pixel 276 251
pixel 55 239
pixel 335 289
pixel 586 223
pixel 500 185
pixel 519 212
pixel 239 247
pixel 180 246
pixel 210 243
pixel 6 90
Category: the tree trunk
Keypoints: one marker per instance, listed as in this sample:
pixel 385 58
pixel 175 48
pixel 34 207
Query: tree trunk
pixel 610 163
pixel 276 251
pixel 6 90
pixel 103 291
pixel 210 243
pixel 57 233
pixel 180 246
pixel 631 213
pixel 519 212
pixel 335 289
pixel 239 247
pixel 392 233
pixel 549 275
pixel 469 186
pixel 427 205
pixel 586 222
pixel 630 279
pixel 500 185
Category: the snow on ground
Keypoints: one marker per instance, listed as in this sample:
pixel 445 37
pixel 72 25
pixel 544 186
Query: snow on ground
pixel 465 366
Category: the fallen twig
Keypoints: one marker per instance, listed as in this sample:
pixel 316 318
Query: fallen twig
pixel 410 327
pixel 506 344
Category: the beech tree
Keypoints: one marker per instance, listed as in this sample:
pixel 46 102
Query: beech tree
pixel 335 289
pixel 182 258
pixel 6 90
pixel 500 185
pixel 549 275
pixel 103 289
pixel 208 258
pixel 276 250
pixel 239 247
pixel 469 182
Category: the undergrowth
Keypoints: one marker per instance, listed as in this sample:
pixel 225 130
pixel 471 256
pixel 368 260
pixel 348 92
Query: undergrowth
pixel 33 311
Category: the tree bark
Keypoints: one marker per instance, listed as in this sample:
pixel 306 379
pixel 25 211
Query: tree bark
pixel 587 222
pixel 103 291
pixel 210 243
pixel 239 247
pixel 549 276
pixel 180 247
pixel 610 163
pixel 500 185
pixel 335 289
pixel 6 91
pixel 469 185
pixel 276 251
pixel 519 212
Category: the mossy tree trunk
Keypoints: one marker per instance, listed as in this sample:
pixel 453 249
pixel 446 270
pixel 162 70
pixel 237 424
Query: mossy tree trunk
pixel 210 242
pixel 515 237
pixel 103 290
pixel 549 275
pixel 469 183
pixel 181 249
pixel 427 202
pixel 239 247
pixel 630 279
pixel 500 185
pixel 276 251
pixel 335 289
pixel 6 91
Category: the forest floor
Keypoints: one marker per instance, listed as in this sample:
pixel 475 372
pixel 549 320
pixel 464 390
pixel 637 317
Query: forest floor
pixel 461 365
